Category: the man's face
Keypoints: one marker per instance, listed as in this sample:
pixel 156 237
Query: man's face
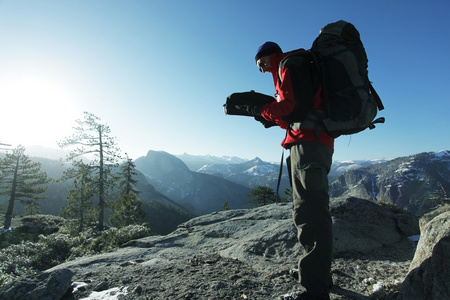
pixel 264 64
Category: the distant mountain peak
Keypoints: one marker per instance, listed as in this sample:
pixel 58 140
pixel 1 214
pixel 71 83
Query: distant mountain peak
pixel 443 153
pixel 196 162
pixel 257 160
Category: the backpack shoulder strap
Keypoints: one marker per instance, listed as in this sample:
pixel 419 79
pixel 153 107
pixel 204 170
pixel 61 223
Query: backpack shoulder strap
pixel 298 58
pixel 377 98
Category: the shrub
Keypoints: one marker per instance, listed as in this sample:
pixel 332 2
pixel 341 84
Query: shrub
pixel 17 260
pixel 26 258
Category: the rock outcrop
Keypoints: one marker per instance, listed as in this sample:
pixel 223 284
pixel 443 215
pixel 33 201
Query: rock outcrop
pixel 429 276
pixel 364 226
pixel 46 286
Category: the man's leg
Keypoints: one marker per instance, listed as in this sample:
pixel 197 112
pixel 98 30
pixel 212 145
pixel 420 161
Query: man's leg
pixel 310 164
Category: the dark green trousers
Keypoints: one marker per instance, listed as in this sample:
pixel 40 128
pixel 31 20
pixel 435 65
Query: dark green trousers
pixel 309 165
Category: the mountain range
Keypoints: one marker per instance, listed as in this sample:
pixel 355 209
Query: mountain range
pixel 172 192
pixel 415 183
pixel 200 193
pixel 195 162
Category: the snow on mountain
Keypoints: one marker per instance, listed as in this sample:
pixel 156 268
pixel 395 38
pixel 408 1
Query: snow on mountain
pixel 251 173
pixel 339 167
pixel 443 154
pixel 415 183
pixel 261 170
pixel 257 172
pixel 195 162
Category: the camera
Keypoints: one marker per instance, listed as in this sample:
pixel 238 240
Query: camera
pixel 231 107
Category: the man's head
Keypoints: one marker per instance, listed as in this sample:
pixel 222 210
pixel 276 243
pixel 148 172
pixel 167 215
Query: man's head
pixel 262 57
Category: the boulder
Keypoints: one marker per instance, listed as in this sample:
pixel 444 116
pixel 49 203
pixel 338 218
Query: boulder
pixel 46 286
pixel 429 276
pixel 425 219
pixel 364 226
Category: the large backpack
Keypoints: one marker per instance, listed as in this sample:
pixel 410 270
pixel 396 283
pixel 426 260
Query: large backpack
pixel 350 101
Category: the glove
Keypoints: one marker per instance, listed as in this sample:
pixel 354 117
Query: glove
pixel 267 124
pixel 252 110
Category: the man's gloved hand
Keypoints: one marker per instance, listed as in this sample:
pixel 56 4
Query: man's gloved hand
pixel 252 110
pixel 267 124
pixel 246 103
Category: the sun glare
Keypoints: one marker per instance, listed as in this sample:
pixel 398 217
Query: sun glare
pixel 36 111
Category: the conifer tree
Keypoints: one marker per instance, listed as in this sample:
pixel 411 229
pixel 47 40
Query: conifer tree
pixel 21 180
pixel 127 208
pixel 263 195
pixel 288 194
pixel 31 207
pixel 225 206
pixel 92 138
pixel 79 199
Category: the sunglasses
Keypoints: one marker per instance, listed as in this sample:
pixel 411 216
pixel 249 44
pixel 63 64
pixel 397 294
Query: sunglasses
pixel 261 66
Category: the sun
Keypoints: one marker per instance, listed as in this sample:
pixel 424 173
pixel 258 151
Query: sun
pixel 36 110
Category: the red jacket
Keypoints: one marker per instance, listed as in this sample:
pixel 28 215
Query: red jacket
pixel 284 93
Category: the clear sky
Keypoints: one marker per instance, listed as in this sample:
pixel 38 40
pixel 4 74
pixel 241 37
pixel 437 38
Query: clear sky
pixel 159 71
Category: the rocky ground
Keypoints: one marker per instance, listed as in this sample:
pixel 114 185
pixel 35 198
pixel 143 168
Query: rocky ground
pixel 238 254
pixel 216 277
pixel 247 267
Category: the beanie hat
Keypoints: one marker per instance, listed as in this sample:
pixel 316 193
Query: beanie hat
pixel 266 49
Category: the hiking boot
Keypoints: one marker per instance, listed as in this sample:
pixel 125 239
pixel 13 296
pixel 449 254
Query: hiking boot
pixel 304 296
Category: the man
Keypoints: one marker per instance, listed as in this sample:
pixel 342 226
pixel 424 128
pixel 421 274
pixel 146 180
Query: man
pixel 298 95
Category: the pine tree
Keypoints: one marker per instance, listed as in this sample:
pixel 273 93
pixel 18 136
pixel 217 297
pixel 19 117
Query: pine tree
pixel 31 208
pixel 127 208
pixel 22 180
pixel 92 137
pixel 263 195
pixel 79 199
pixel 225 206
pixel 288 194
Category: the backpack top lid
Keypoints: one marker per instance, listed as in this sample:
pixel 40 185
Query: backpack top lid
pixel 342 30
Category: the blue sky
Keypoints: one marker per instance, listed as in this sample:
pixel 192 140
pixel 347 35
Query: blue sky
pixel 158 72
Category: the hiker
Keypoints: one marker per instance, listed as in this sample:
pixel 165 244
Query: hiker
pixel 297 91
pixel 320 94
